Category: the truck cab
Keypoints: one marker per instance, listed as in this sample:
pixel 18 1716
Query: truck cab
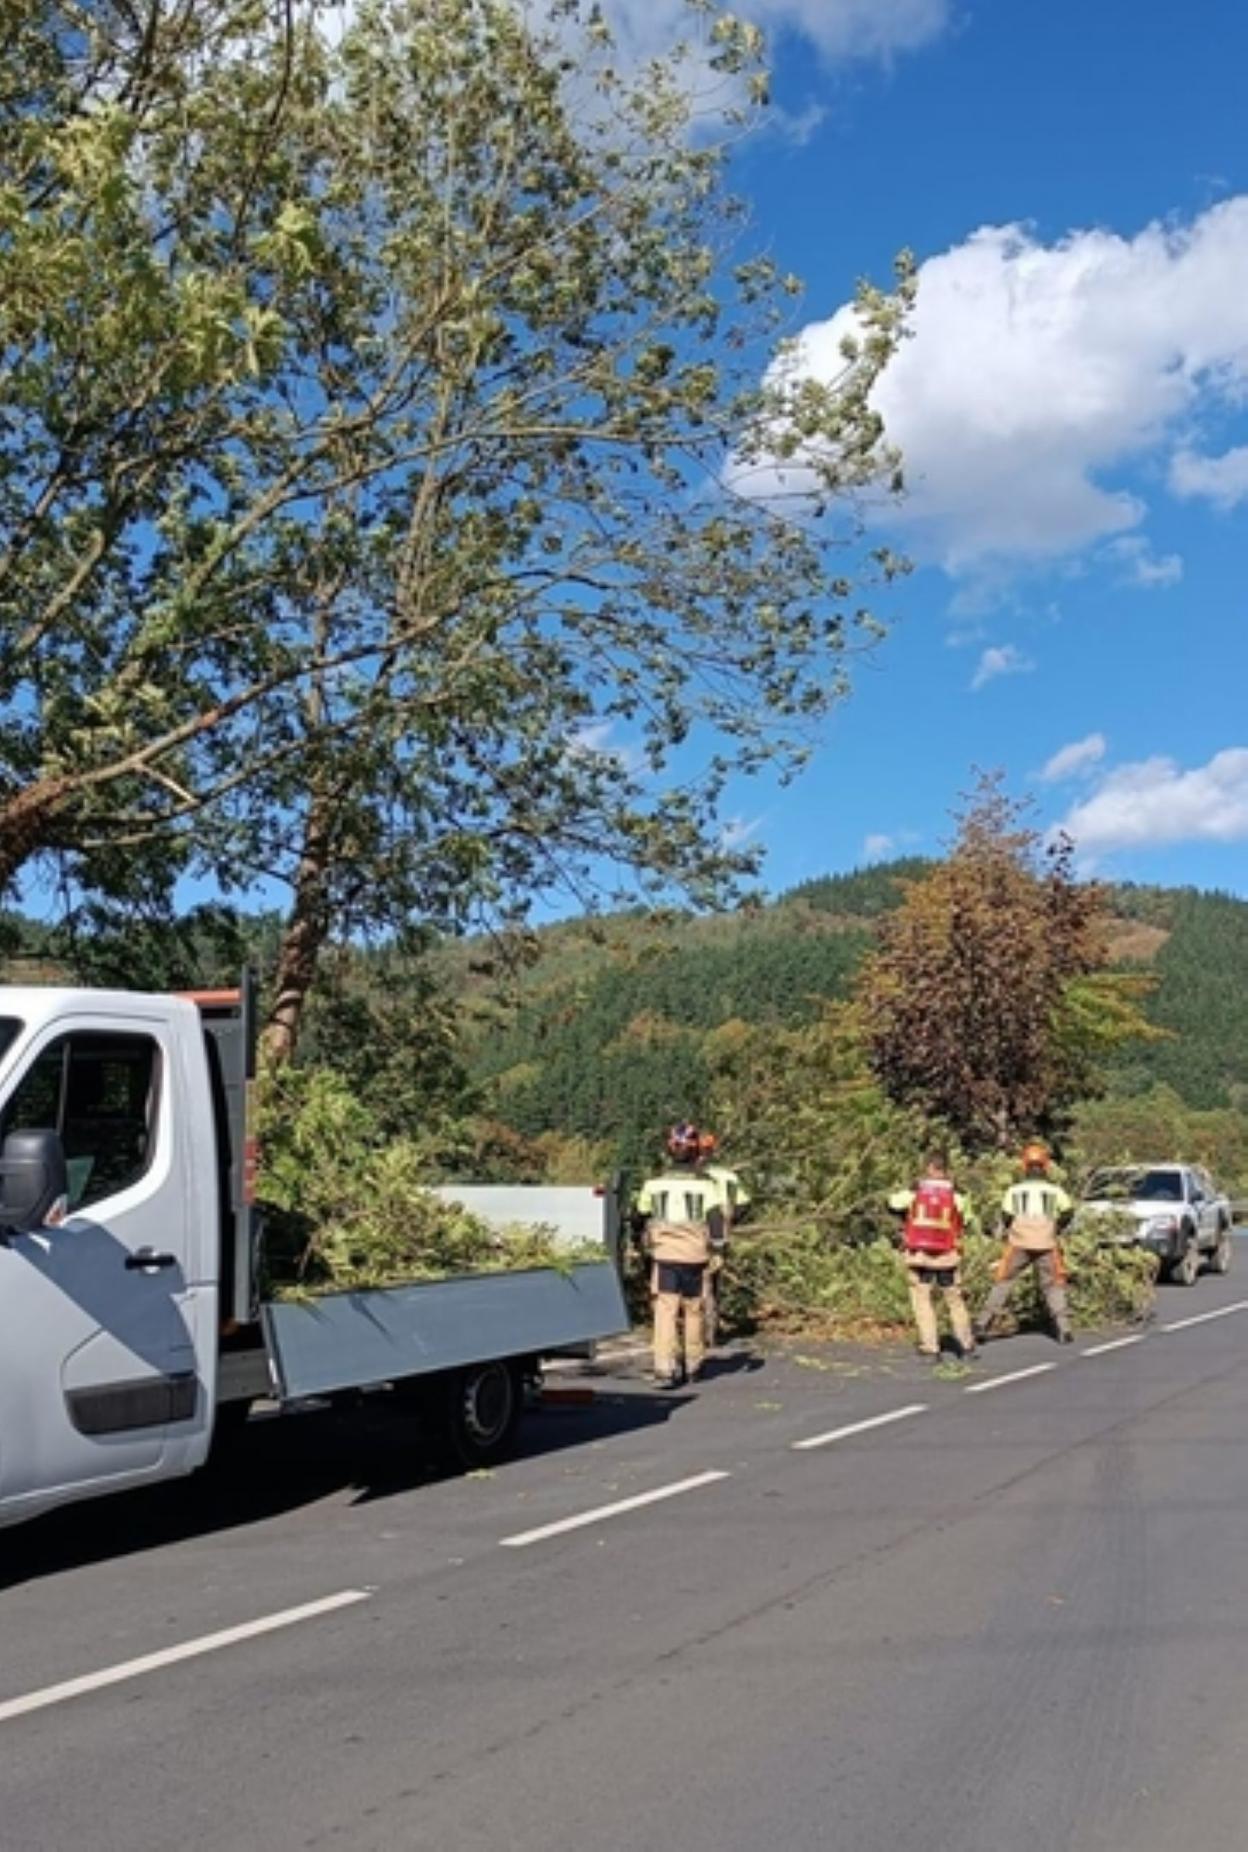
pixel 131 1317
pixel 108 1307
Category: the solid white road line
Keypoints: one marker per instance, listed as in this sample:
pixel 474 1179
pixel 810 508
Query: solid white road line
pixel 1099 1350
pixel 859 1427
pixel 1203 1318
pixel 1015 1376
pixel 523 1538
pixel 171 1655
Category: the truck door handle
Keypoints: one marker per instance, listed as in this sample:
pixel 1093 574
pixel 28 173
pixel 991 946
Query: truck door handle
pixel 146 1260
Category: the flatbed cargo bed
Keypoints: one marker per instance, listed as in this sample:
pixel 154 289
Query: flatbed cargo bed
pixel 353 1340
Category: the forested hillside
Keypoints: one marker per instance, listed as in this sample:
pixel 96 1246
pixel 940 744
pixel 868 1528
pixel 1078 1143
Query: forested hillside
pixel 619 1025
pixel 617 1029
pixel 1201 968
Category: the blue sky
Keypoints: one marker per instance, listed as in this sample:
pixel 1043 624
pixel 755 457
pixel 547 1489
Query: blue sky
pixel 1074 409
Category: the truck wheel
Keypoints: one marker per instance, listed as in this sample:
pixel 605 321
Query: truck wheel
pixel 1222 1256
pixel 1186 1269
pixel 482 1411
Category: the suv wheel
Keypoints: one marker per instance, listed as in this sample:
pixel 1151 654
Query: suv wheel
pixel 1222 1256
pixel 1186 1269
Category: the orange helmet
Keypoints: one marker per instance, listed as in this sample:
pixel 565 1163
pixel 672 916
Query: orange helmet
pixel 1036 1157
pixel 708 1144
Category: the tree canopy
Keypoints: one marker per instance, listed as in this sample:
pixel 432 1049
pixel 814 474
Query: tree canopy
pixel 988 1004
pixel 374 398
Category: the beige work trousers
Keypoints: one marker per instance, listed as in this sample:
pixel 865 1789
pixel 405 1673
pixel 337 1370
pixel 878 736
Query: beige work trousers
pixel 1051 1272
pixel 710 1299
pixel 925 1282
pixel 672 1311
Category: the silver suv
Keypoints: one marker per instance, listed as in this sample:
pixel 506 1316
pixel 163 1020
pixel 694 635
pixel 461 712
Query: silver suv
pixel 1177 1210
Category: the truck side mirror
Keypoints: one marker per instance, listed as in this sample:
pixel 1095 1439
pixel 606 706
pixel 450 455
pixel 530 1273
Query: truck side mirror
pixel 33 1178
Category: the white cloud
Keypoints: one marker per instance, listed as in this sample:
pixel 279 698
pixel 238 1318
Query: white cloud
pixel 736 832
pixel 592 739
pixel 1000 659
pixel 1142 567
pixel 1038 375
pixel 839 29
pixel 597 739
pixel 1221 480
pixel 1074 760
pixel 1155 801
pixel 878 848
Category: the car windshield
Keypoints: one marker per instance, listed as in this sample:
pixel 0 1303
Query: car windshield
pixel 1147 1186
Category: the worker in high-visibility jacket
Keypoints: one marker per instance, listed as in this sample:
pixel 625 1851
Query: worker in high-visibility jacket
pixel 683 1213
pixel 736 1205
pixel 934 1217
pixel 1033 1211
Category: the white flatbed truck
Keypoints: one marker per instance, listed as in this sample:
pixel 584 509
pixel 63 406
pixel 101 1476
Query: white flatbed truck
pixel 132 1323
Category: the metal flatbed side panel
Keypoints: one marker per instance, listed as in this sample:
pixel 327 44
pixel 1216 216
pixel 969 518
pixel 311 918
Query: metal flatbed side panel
pixel 351 1340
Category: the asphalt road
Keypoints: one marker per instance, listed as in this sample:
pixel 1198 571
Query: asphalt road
pixel 1005 1617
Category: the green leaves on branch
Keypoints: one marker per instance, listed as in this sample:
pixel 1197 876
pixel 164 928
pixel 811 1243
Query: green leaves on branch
pixel 375 400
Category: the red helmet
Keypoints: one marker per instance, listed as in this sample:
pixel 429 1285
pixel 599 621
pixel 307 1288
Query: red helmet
pixel 708 1144
pixel 1036 1157
pixel 684 1143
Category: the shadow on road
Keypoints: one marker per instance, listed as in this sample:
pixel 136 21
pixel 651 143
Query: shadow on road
pixel 276 1465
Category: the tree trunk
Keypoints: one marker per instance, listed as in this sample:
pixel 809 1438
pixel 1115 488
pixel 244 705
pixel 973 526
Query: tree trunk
pixel 24 826
pixel 303 939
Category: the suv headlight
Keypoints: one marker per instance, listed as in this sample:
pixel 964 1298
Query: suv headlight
pixel 1161 1225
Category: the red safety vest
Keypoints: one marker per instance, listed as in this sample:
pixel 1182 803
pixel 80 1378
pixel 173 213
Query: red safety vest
pixel 934 1224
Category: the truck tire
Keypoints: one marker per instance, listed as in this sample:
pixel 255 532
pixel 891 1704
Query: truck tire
pixel 481 1410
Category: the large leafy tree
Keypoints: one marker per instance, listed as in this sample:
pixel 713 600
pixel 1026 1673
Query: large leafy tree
pixel 988 1004
pixel 375 398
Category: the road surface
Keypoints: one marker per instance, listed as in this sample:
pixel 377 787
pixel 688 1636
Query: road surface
pixel 824 1603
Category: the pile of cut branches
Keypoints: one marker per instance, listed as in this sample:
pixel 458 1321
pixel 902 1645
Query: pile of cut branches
pixel 346 1209
pixel 809 1282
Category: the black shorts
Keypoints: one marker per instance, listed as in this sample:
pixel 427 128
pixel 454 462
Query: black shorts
pixel 938 1276
pixel 683 1277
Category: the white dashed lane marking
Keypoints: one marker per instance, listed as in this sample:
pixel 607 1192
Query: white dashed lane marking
pixel 173 1655
pixel 859 1427
pixel 1204 1318
pixel 602 1512
pixel 1015 1376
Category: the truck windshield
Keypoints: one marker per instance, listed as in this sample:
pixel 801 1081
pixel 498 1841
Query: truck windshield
pixel 1141 1186
pixel 10 1028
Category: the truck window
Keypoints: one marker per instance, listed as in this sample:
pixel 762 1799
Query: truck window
pixel 10 1028
pixel 100 1092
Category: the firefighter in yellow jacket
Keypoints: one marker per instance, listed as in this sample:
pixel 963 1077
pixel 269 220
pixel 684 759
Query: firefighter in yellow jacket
pixel 1034 1212
pixel 934 1217
pixel 684 1220
pixel 735 1202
